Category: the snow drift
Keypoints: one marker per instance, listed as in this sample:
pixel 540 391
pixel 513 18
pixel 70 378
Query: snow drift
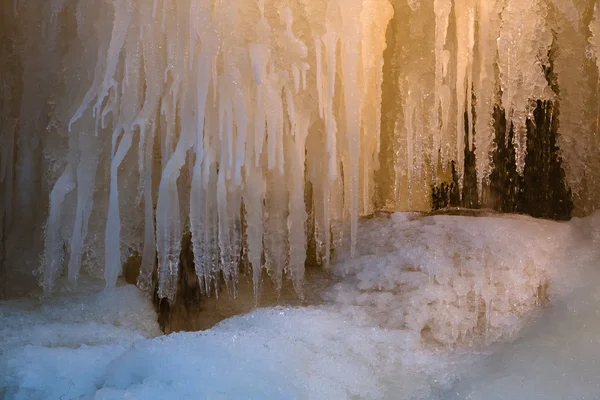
pixel 368 339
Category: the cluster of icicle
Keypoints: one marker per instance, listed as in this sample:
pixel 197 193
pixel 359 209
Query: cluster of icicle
pixel 125 123
pixel 238 103
pixel 485 53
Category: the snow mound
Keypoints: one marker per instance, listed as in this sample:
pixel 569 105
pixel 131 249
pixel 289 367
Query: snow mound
pixel 556 358
pixel 454 279
pixel 278 353
pixel 57 346
pixel 275 353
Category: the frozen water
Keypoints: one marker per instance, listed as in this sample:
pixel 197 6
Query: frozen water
pixel 152 118
pixel 125 123
pixel 366 340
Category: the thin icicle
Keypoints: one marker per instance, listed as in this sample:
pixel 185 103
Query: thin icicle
pixel 54 250
pixel 520 63
pixel 350 10
pixel 106 69
pixel 484 87
pixel 297 213
pixel 168 222
pixel 465 38
pixel 197 201
pixel 86 179
pixel 440 125
pixel 276 232
pixel 253 200
pixel 113 224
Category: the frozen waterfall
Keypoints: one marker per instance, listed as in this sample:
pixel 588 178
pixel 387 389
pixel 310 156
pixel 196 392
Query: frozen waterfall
pixel 126 123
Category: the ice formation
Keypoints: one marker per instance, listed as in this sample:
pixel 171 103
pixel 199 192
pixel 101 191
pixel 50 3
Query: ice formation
pixel 126 123
pixel 200 114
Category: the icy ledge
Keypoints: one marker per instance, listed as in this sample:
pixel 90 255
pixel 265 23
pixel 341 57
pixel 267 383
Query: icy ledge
pixel 400 323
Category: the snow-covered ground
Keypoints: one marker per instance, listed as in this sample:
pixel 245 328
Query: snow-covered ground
pixel 440 307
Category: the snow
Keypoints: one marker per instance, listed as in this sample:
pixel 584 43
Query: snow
pixel 364 340
pixel 271 353
pixel 456 276
pixel 556 357
pixel 63 345
pixel 105 345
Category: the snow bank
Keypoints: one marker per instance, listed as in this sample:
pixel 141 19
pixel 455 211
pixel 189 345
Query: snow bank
pixel 400 324
pixel 61 346
pixel 556 358
pixel 274 353
pixel 455 279
pixel 277 353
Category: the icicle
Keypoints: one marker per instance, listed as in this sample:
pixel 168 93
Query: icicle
pixel 297 50
pixel 330 40
pixel 106 69
pixel 113 225
pixel 159 64
pixel 168 223
pixel 297 214
pixel 276 232
pixel 223 210
pixel 320 88
pixel 373 45
pixel 198 223
pixel 253 200
pixel 211 229
pixel 53 246
pixel 86 178
pixel 520 63
pixel 129 108
pixel 197 202
pixel 330 167
pixel 465 37
pixel 234 204
pixel 484 87
pixel 442 13
pixel 352 101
